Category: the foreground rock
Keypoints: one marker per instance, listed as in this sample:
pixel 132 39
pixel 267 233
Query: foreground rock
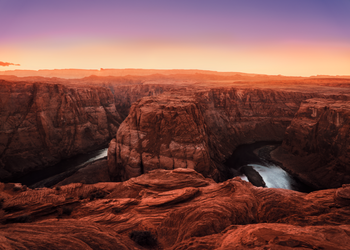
pixel 180 209
pixel 316 144
pixel 198 130
pixel 42 123
pixel 253 176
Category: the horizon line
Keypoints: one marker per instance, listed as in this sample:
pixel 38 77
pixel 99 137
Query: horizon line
pixel 174 69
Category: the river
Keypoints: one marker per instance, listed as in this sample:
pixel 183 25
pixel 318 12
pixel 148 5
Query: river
pixel 61 170
pixel 245 159
pixel 256 155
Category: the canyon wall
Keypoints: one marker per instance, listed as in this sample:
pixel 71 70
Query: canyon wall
pixel 199 130
pixel 172 127
pixel 41 123
pixel 316 146
pixel 236 116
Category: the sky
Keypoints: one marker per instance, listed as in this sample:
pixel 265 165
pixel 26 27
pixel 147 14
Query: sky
pixel 289 37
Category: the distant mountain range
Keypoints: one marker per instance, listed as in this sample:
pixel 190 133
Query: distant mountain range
pixel 196 75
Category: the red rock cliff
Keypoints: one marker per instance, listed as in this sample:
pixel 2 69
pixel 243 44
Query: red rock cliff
pixel 166 132
pixel 198 130
pixel 42 123
pixel 317 143
pixel 236 116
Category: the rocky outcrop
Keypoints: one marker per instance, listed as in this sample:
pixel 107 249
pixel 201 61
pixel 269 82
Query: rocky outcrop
pixel 179 208
pixel 316 144
pixel 198 130
pixel 166 132
pixel 42 123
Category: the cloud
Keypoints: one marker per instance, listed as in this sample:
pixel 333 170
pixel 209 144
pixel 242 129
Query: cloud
pixel 8 64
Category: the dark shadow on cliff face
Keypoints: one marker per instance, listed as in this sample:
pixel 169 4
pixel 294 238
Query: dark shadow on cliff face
pixel 244 154
pixel 236 165
pixel 61 170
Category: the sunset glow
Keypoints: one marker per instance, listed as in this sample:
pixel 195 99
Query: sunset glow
pixel 269 37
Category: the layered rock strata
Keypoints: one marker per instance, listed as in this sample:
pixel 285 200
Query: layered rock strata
pixel 42 123
pixel 236 116
pixel 166 132
pixel 317 143
pixel 180 209
pixel 198 130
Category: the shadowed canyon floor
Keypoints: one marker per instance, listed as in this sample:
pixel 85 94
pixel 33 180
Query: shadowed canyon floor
pixel 180 208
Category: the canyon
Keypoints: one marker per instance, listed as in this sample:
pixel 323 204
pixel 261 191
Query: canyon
pixel 201 129
pixel 166 183
pixel 45 122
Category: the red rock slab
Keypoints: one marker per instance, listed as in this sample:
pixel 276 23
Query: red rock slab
pixel 183 216
pixel 65 234
pixel 281 236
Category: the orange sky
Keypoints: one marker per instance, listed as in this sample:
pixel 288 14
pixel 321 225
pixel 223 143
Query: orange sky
pixel 303 60
pixel 295 38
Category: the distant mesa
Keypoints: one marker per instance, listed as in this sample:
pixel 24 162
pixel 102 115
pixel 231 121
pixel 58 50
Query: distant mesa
pixel 4 64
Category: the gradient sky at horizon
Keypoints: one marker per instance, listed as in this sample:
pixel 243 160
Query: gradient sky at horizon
pixel 290 37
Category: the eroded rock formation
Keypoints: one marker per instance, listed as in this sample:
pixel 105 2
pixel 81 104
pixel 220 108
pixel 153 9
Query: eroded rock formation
pixel 316 146
pixel 199 130
pixel 166 132
pixel 42 123
pixel 180 208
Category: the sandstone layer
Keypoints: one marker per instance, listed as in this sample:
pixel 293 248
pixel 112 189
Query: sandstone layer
pixel 230 116
pixel 316 145
pixel 41 123
pixel 180 209
pixel 199 129
pixel 164 133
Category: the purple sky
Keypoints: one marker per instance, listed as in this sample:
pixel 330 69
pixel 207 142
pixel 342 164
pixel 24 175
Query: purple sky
pixel 119 34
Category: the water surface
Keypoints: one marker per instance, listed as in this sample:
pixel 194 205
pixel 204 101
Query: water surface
pixel 255 155
pixel 68 166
